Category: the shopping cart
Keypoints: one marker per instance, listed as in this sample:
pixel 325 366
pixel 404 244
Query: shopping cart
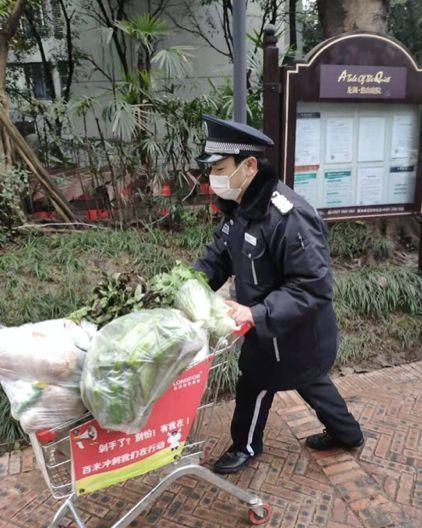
pixel 52 450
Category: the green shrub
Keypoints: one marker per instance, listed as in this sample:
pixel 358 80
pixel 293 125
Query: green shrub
pixel 353 239
pixel 13 186
pixel 377 292
pixel 11 432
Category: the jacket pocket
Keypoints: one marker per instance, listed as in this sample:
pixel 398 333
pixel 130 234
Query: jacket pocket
pixel 253 267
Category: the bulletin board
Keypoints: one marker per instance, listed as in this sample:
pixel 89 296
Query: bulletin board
pixel 346 123
pixel 356 159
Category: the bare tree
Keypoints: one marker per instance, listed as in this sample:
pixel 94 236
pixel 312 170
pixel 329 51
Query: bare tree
pixel 70 48
pixel 105 13
pixel 215 16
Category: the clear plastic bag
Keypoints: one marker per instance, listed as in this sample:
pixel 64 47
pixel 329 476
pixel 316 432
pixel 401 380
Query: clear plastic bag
pixel 49 351
pixel 40 405
pixel 133 360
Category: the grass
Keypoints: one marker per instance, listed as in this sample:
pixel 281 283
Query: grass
pixel 11 434
pixel 395 338
pixel 44 277
pixel 354 239
pixel 376 292
pixel 223 385
pixel 379 313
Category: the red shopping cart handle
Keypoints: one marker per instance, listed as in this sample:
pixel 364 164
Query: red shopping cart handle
pixel 45 436
pixel 243 329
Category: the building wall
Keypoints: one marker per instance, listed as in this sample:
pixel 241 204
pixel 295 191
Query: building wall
pixel 207 63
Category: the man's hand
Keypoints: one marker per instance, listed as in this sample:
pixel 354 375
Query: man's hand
pixel 241 314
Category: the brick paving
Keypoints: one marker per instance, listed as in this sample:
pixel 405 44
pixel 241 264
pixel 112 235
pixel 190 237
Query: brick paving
pixel 376 486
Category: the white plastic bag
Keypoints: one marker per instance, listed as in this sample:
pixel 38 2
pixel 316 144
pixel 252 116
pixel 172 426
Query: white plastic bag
pixel 42 406
pixel 40 369
pixel 49 351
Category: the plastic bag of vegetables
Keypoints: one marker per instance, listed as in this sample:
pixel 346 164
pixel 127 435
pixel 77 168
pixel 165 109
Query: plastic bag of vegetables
pixel 49 351
pixel 133 360
pixel 40 369
pixel 40 405
pixel 200 303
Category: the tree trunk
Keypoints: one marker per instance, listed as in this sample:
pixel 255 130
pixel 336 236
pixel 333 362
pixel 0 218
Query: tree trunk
pixel 340 16
pixel 292 25
pixel 7 32
pixel 5 140
pixel 35 166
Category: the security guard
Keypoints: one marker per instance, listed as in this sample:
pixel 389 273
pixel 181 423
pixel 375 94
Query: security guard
pixel 273 242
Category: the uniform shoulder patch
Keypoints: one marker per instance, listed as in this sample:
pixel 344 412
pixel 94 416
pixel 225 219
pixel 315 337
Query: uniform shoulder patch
pixel 281 203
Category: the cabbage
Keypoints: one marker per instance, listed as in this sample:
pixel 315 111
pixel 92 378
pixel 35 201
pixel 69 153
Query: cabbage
pixel 194 298
pixel 200 303
pixel 133 360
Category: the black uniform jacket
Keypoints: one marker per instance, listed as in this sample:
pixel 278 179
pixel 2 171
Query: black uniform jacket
pixel 282 271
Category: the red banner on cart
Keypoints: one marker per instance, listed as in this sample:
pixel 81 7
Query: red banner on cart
pixel 101 458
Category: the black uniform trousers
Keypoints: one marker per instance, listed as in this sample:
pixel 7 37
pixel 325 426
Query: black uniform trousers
pixel 253 405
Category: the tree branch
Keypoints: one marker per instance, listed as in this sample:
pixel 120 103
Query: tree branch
pixel 197 30
pixel 119 47
pixel 69 46
pixel 97 67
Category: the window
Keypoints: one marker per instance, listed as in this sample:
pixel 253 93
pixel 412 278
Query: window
pixel 57 16
pixel 36 80
pixel 63 69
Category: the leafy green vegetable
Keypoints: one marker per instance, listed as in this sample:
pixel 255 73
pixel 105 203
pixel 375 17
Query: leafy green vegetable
pixel 133 360
pixel 167 285
pixel 194 298
pixel 200 303
pixel 115 295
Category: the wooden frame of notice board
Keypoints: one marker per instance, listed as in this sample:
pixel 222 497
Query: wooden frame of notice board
pixel 346 122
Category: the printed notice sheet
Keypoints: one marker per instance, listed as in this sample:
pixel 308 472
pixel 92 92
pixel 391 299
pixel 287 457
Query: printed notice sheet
pixel 308 136
pixel 404 137
pixel 370 180
pixel 402 183
pixel 339 141
pixel 338 188
pixel 371 139
pixel 305 185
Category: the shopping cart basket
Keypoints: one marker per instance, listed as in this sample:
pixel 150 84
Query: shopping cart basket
pixel 53 451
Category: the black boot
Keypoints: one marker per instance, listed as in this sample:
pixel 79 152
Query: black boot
pixel 231 462
pixel 323 441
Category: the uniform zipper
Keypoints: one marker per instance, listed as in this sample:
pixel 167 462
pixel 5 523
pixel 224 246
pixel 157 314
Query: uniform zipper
pixel 255 278
pixel 277 353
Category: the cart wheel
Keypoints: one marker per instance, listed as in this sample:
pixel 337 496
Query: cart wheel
pixel 256 519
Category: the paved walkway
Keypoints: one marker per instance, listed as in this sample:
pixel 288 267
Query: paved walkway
pixel 377 486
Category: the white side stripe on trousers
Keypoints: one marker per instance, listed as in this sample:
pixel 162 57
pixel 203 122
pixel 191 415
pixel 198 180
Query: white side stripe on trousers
pixel 254 420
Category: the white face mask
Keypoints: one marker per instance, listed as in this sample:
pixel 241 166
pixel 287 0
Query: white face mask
pixel 220 184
